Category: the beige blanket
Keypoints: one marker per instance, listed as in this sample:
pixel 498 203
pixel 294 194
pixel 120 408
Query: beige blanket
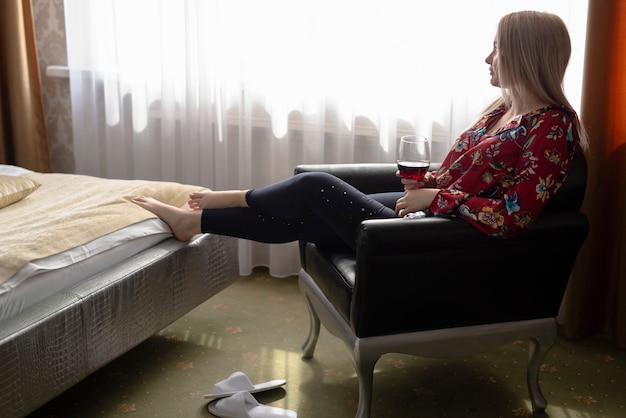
pixel 70 210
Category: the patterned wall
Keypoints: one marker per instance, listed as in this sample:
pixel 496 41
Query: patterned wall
pixel 52 50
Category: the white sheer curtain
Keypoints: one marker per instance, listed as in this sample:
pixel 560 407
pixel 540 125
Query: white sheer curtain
pixel 234 93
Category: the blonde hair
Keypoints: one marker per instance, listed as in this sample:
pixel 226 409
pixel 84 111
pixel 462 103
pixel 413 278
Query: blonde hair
pixel 534 49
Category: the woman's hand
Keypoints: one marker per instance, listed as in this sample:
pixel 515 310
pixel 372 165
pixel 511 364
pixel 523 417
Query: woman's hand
pixel 427 181
pixel 414 199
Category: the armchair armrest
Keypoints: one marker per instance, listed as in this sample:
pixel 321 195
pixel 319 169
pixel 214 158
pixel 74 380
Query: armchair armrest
pixel 417 274
pixel 367 177
pixel 416 236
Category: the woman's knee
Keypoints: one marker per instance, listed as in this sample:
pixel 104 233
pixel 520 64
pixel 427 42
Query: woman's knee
pixel 316 179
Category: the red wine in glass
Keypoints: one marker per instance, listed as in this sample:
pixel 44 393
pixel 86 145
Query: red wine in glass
pixel 415 170
pixel 413 156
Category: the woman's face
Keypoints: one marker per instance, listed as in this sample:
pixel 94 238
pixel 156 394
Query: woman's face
pixel 492 60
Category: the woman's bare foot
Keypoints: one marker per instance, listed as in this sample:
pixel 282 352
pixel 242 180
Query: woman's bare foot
pixel 210 199
pixel 184 223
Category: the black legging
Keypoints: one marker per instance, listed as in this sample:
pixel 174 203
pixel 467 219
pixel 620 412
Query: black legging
pixel 317 207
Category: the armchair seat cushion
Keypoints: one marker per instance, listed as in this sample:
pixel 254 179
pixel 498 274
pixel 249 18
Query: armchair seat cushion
pixel 334 273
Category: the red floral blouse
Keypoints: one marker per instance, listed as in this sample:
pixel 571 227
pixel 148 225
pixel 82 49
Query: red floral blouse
pixel 501 182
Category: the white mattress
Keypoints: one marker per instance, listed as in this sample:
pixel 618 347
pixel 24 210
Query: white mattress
pixel 42 278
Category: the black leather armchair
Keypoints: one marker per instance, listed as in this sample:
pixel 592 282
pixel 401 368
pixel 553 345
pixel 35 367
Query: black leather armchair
pixel 435 287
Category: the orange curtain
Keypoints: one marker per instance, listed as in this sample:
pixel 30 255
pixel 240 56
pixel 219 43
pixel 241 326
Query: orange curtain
pixel 595 302
pixel 22 128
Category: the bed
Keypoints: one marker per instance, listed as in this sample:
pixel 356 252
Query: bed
pixel 85 275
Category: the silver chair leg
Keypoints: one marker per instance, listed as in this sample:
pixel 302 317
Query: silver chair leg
pixel 536 354
pixel 314 331
pixel 364 364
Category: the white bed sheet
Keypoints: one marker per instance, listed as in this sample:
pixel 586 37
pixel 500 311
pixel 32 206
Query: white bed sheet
pixel 12 170
pixel 45 277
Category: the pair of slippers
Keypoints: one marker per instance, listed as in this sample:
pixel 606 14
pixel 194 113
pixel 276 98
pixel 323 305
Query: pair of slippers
pixel 232 398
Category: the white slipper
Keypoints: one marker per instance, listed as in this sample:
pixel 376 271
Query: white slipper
pixel 244 405
pixel 238 382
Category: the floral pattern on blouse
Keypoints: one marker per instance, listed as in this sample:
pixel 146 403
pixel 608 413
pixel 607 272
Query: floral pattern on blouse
pixel 501 182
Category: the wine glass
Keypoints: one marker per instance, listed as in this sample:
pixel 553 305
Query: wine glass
pixel 413 156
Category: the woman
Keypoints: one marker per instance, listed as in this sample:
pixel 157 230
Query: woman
pixel 498 176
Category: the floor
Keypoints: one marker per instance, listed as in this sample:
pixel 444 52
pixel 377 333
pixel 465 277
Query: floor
pixel 257 326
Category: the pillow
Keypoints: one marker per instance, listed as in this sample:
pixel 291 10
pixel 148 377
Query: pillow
pixel 15 188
